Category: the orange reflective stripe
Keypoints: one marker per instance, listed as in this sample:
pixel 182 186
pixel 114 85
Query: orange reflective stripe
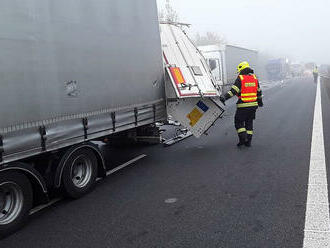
pixel 177 75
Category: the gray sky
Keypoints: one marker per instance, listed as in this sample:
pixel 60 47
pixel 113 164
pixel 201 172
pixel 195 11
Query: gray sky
pixel 298 29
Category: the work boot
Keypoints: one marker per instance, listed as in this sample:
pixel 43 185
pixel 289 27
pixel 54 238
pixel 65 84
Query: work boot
pixel 242 139
pixel 248 140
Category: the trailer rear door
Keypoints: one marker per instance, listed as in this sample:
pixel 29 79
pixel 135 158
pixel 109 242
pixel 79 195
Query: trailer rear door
pixel 191 91
pixel 184 61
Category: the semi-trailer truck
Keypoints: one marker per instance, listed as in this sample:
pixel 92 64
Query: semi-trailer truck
pixel 74 72
pixel 278 69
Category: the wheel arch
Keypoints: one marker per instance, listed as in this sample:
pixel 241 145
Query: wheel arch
pixel 94 148
pixel 39 186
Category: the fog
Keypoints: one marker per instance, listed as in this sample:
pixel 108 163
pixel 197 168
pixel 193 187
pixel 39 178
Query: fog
pixel 296 29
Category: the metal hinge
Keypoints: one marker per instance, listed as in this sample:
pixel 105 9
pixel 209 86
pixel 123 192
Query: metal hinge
pixel 136 116
pixel 113 118
pixel 1 148
pixel 85 124
pixel 154 110
pixel 42 131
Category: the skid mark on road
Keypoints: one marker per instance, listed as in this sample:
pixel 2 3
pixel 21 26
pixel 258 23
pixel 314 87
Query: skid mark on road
pixel 317 223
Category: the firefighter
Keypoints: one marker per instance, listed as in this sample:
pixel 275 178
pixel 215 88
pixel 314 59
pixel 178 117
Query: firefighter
pixel 315 74
pixel 247 89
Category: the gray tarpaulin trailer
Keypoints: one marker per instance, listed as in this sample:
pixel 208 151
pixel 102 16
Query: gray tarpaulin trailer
pixel 64 63
pixel 72 72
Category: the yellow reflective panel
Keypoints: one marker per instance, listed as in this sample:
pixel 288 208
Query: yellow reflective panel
pixel 194 116
pixel 249 98
pixel 249 94
pixel 249 132
pixel 247 104
pixel 241 130
pixel 250 84
pixel 236 88
pixel 230 93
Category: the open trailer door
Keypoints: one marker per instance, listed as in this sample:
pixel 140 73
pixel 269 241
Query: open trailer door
pixel 191 91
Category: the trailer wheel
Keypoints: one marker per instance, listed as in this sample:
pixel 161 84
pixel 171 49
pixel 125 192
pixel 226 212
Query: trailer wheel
pixel 80 172
pixel 16 199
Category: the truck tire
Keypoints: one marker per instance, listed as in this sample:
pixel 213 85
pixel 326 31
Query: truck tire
pixel 79 173
pixel 16 199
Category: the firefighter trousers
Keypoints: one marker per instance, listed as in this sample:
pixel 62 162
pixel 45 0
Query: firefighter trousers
pixel 244 118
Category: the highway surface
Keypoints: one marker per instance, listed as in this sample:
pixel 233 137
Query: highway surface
pixel 202 192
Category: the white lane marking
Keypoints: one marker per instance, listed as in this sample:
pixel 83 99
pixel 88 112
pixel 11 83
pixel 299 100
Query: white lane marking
pixel 317 221
pixel 41 207
pixel 125 164
pixel 317 231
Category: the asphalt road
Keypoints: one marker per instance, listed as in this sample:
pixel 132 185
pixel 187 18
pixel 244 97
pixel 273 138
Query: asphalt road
pixel 199 193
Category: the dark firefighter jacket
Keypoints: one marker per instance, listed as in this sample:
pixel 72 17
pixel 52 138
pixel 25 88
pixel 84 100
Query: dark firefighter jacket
pixel 236 91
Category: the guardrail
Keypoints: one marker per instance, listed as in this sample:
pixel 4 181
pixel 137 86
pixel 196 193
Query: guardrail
pixel 324 71
pixel 325 76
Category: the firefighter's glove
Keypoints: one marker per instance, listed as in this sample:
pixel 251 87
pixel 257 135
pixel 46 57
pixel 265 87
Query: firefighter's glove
pixel 260 103
pixel 223 100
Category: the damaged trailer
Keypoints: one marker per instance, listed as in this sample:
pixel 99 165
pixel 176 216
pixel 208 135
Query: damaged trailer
pixel 79 71
pixel 191 91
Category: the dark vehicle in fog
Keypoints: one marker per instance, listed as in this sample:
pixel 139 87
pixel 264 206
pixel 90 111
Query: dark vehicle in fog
pixel 278 69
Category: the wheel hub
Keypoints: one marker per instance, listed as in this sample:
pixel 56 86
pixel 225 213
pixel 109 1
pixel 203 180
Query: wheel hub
pixel 81 171
pixel 11 202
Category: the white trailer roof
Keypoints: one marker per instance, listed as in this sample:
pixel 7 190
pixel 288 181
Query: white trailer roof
pixel 185 65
